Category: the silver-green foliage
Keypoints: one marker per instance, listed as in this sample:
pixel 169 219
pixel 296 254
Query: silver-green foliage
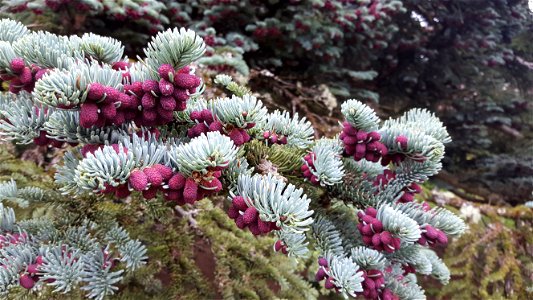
pixel 238 111
pixel 24 120
pixel 80 256
pixel 299 132
pixel 327 161
pixel 177 47
pixel 11 30
pixel 101 48
pixel 208 150
pixel 105 166
pixel 360 115
pixel 276 201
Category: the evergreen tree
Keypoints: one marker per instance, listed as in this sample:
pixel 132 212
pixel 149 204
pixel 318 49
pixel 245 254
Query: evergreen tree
pixel 466 60
pixel 141 132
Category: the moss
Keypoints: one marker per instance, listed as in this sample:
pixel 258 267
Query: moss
pixel 510 223
pixel 488 262
pixel 246 266
pixel 23 171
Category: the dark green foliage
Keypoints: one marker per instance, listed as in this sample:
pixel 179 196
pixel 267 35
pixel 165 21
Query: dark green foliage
pixel 132 21
pixel 469 63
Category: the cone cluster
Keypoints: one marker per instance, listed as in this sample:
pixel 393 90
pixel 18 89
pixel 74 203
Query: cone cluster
pixel 144 134
pixel 322 274
pixel 174 186
pixel 28 279
pixel 91 148
pixel 432 236
pixel 147 103
pixel 383 179
pixel 23 77
pixel 280 246
pixel 372 284
pixel 59 4
pixel 43 140
pixel 12 239
pixel 361 144
pixel 184 190
pixel 387 294
pixel 206 122
pixel 409 191
pixel 396 158
pixel 408 269
pixel 124 67
pixel 373 234
pixel 103 106
pixel 109 260
pixel 274 138
pixel 308 167
pixel 150 179
pixel 248 217
pixel 31 275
